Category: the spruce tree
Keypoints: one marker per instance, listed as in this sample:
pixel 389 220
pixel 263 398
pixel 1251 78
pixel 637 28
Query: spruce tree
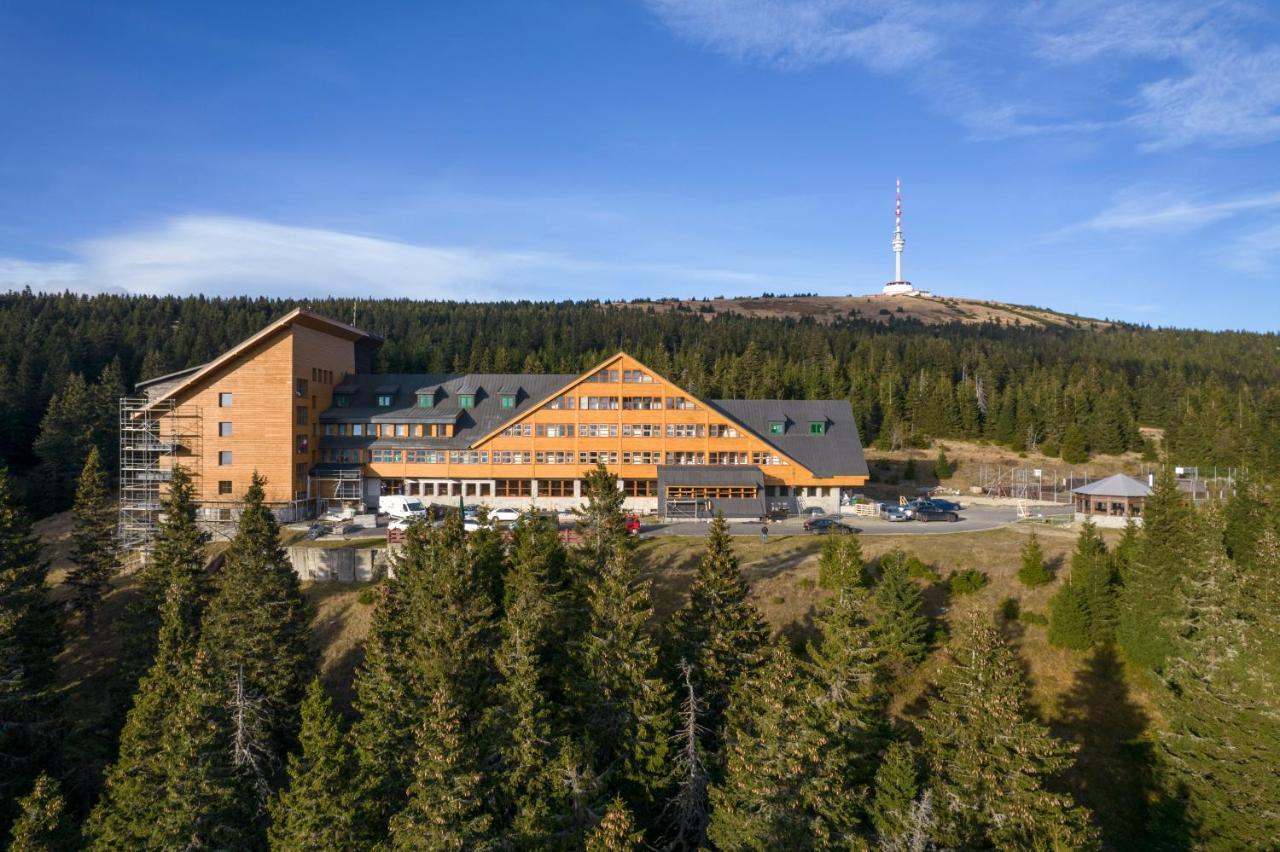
pixel 626 707
pixel 42 824
pixel 1093 575
pixel 319 808
pixel 93 540
pixel 616 832
pixel 30 637
pixel 688 810
pixel 1069 618
pixel 256 628
pixel 990 760
pixel 719 631
pixel 772 757
pixel 1171 541
pixel 942 467
pixel 897 784
pixel 66 434
pixel 601 521
pixel 1074 450
pixel 1033 572
pixel 445 807
pixel 901 627
pixel 840 564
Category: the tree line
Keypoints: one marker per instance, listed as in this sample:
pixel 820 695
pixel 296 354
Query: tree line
pixel 1069 391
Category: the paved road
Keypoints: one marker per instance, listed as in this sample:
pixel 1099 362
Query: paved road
pixel 972 519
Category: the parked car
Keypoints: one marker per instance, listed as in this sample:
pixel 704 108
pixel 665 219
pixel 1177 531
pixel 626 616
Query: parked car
pixel 946 505
pixel 813 512
pixel 893 512
pixel 471 524
pixel 823 526
pixel 926 510
pixel 402 507
pixel 633 525
pixel 504 515
pixel 400 524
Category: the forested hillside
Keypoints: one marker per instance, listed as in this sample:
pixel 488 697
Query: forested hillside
pixel 1062 390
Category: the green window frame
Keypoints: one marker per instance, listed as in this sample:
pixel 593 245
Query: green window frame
pixel 384 400
pixel 342 400
pixel 776 427
pixel 466 400
pixel 817 427
pixel 508 400
pixel 425 400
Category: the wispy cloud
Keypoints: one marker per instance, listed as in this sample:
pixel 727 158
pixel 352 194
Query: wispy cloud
pixel 1164 212
pixel 229 256
pixel 1179 72
pixel 1257 251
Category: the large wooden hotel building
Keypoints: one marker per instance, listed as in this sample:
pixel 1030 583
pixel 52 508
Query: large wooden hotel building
pixel 299 403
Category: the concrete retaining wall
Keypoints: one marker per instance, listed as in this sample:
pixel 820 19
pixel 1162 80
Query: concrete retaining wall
pixel 338 564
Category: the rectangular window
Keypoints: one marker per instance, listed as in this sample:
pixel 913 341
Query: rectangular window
pixel 224 486
pixel 466 400
pixel 598 457
pixel 680 403
pixel 402 430
pixel 642 403
pixel 597 430
pixel 555 487
pixel 640 487
pixel 553 457
pixel 817 427
pixel 722 430
pixel 602 376
pixel 384 400
pixel 765 458
pixel 224 458
pixel 508 401
pixel 554 430
pixel 636 377
pixel 357 429
pixel 300 415
pixel 563 402
pixel 685 430
pixel 518 430
pixel 224 400
pixel 642 458
pixel 425 400
pixel 600 403
pixel 386 456
pixel 641 430
pixel 224 429
pixel 709 492
pixel 512 488
pixel 300 388
pixel 342 400
pixel 686 458
pixel 776 427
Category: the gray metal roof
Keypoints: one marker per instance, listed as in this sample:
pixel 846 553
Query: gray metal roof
pixel 836 452
pixel 709 474
pixel 1119 485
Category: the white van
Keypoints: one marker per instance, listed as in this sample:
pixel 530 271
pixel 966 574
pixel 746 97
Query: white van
pixel 402 507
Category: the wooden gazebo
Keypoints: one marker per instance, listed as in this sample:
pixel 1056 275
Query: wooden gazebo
pixel 1111 502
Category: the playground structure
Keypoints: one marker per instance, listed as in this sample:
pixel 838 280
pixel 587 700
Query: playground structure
pixel 1028 485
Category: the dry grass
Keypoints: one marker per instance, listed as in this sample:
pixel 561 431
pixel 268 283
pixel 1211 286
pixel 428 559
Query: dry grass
pixel 339 628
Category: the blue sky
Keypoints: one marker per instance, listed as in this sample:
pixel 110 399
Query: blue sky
pixel 1117 159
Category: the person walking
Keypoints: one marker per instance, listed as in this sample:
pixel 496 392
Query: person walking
pixel 764 534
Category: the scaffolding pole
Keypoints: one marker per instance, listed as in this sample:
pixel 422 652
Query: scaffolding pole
pixel 153 439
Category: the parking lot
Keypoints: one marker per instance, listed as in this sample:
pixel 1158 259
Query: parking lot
pixel 972 519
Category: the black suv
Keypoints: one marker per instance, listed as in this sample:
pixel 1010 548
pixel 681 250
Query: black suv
pixel 924 510
pixel 822 526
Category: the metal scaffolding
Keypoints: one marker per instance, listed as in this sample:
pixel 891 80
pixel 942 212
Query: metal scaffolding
pixel 153 438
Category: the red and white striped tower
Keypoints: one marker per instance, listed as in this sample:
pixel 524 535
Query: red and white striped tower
pixel 898 287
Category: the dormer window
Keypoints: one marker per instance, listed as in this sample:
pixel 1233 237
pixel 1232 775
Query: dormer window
pixel 817 427
pixel 508 400
pixel 384 400
pixel 342 400
pixel 426 400
pixel 466 400
pixel 777 427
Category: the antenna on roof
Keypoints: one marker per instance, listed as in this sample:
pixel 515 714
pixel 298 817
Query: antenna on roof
pixel 353 313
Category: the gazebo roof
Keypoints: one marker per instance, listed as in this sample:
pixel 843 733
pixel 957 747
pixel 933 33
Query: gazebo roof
pixel 1118 485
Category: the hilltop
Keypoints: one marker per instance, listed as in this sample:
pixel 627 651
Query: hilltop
pixel 937 310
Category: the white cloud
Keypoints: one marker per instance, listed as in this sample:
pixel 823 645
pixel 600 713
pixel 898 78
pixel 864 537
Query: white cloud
pixel 1257 251
pixel 216 256
pixel 1164 212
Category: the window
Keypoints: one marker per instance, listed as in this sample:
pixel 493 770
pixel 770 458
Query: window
pixel 555 487
pixel 510 457
pixel 553 457
pixel 641 430
pixel 384 400
pixel 467 400
pixel 594 457
pixel 642 403
pixel 224 486
pixel 300 415
pixel 357 429
pixel 640 487
pixel 722 430
pixel 468 457
pixel 636 377
pixel 508 400
pixel 600 403
pixel 686 458
pixel 303 443
pixel 300 387
pixel 765 458
pixel 706 492
pixel 776 427
pixel 817 427
pixel 342 400
pixel 224 400
pixel 554 430
pixel 421 456
pixel 730 458
pixel 386 456
pixel 512 488
pixel 597 430
pixel 685 430
pixel 518 430
pixel 426 400
pixel 224 429
pixel 563 402
pixel 680 403
pixel 602 376
pixel 642 458
pixel 224 458
pixel 402 430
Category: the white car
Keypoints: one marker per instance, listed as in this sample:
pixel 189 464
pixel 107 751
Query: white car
pixel 504 515
pixel 471 525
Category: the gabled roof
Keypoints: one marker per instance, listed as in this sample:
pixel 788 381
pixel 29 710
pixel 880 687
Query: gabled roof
pixel 1119 485
pixel 301 316
pixel 836 452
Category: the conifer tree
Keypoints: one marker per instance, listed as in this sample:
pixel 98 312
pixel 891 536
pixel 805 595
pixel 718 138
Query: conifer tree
pixel 30 637
pixel 66 434
pixel 719 631
pixel 256 626
pixel 601 521
pixel 616 832
pixel 989 759
pixel 942 467
pixel 318 809
pixel 840 564
pixel 42 824
pixel 1170 543
pixel 445 807
pixel 1122 556
pixel 1074 450
pixel 1093 576
pixel 688 810
pixel 771 758
pixel 93 541
pixel 901 627
pixel 626 707
pixel 897 785
pixel 1221 745
pixel 1069 618
pixel 1033 572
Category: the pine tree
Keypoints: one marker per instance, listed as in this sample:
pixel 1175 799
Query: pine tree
pixel 942 467
pixel 1069 618
pixel 105 429
pixel 42 824
pixel 766 800
pixel 1033 571
pixel 319 808
pixel 257 625
pixel 719 632
pixel 446 806
pixel 901 627
pixel 616 832
pixel 840 564
pixel 1221 745
pixel 1122 557
pixel 1074 450
pixel 626 707
pixel 989 759
pixel 688 810
pixel 66 434
pixel 1170 543
pixel 30 637
pixel 897 785
pixel 93 544
pixel 601 521
pixel 1093 575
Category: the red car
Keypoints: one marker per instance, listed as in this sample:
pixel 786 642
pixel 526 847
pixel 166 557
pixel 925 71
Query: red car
pixel 633 525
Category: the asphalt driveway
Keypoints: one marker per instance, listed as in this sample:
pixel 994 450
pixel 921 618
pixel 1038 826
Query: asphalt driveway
pixel 972 519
